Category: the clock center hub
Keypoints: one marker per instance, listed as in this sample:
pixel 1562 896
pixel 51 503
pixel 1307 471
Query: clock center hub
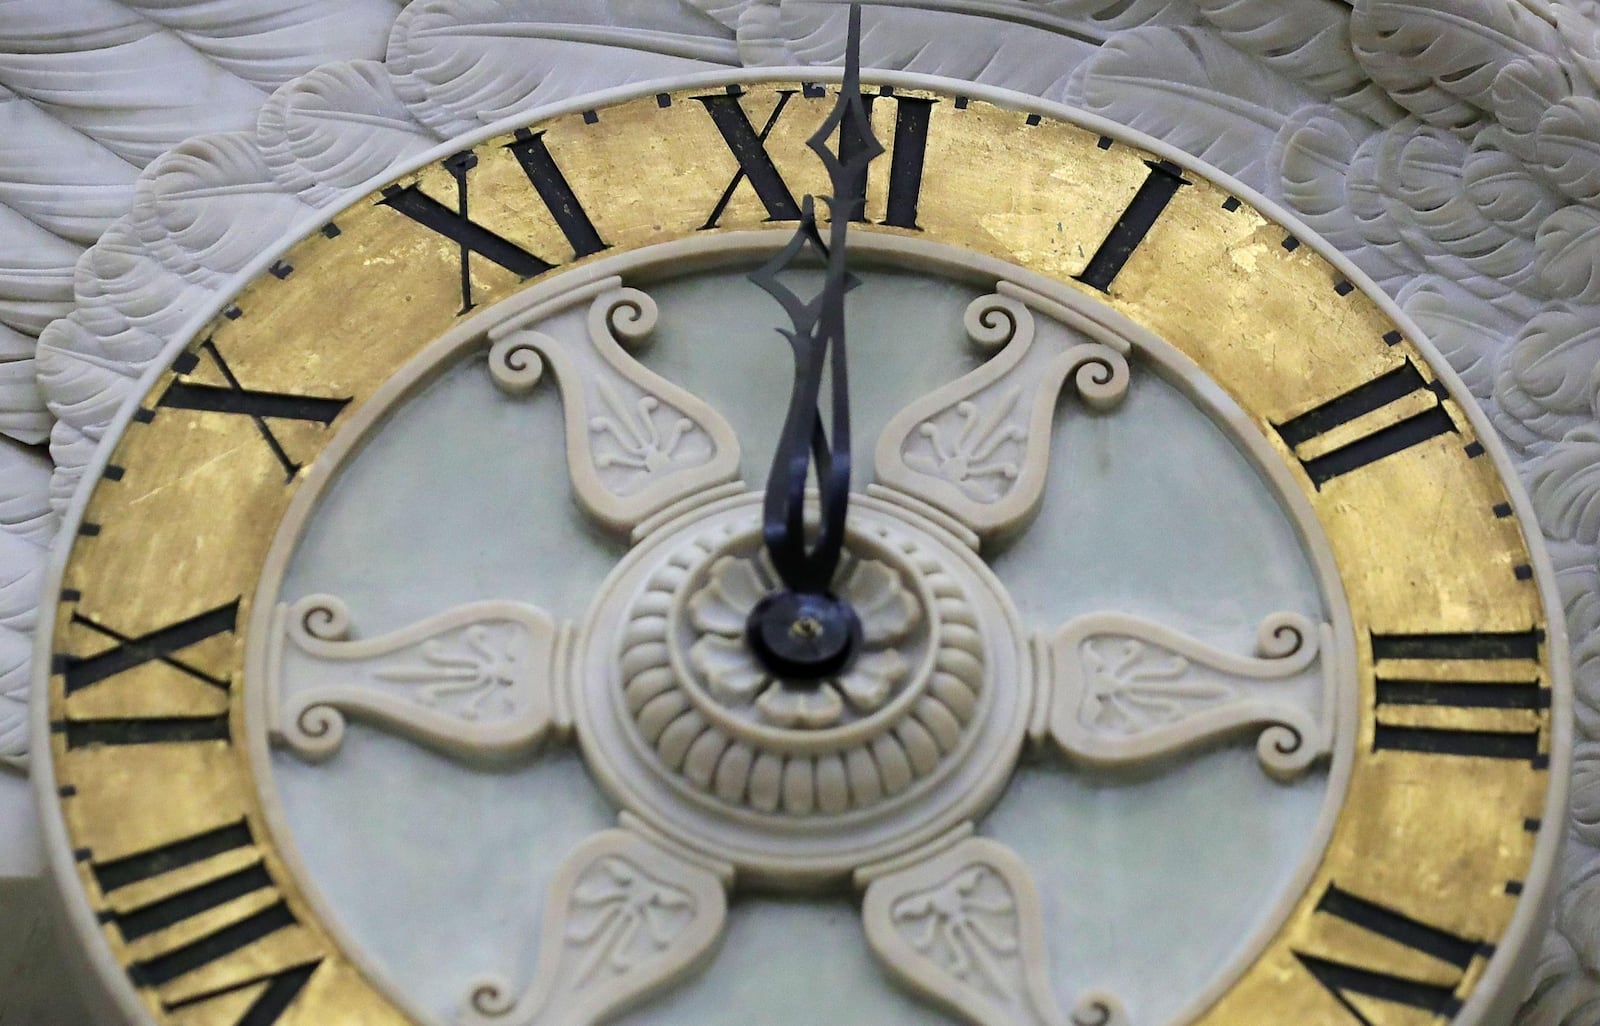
pixel 803 637
pixel 799 735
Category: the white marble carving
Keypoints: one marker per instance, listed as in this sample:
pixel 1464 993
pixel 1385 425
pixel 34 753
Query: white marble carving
pixel 1126 690
pixel 1535 57
pixel 461 64
pixel 26 528
pixel 733 675
pixel 962 929
pixel 626 917
pixel 720 722
pixel 636 443
pixel 485 680
pixel 979 448
pixel 80 116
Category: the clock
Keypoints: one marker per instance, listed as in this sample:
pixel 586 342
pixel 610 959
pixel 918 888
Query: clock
pixel 1206 669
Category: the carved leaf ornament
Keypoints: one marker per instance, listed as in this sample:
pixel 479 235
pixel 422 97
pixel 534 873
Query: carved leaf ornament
pixel 1359 117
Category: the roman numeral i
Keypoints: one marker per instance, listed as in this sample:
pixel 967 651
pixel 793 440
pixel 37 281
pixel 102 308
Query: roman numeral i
pixel 1146 207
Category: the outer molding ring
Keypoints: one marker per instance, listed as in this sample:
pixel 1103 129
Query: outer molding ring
pixel 1494 998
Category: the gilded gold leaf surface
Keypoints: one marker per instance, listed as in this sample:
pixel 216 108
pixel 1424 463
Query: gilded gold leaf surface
pixel 183 528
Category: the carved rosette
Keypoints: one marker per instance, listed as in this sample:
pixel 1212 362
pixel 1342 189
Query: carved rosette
pixel 719 722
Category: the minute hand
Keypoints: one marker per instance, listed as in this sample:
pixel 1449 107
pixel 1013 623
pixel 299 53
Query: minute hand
pixel 818 342
pixel 819 346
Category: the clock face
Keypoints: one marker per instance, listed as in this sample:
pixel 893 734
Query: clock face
pixel 1205 674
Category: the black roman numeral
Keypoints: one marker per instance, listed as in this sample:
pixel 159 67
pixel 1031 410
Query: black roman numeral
pixel 1160 185
pixel 208 871
pixel 749 148
pixel 457 225
pixel 1402 382
pixel 913 116
pixel 164 645
pixel 1343 980
pixel 552 187
pixel 1459 689
pixel 239 401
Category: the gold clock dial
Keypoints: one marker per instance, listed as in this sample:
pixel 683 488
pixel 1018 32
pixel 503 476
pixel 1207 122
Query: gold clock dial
pixel 1429 888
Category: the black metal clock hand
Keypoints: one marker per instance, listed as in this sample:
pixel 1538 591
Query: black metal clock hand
pixel 804 630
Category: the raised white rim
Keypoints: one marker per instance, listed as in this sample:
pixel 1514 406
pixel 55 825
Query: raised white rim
pixel 1492 1000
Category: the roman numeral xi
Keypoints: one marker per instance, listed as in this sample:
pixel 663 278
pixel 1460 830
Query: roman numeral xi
pixel 548 182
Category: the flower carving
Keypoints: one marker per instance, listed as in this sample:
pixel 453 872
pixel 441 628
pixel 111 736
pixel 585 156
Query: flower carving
pixel 888 611
pixel 1135 687
pixel 479 670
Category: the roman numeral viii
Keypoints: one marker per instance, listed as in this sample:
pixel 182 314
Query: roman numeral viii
pixel 1347 982
pixel 549 183
pixel 913 115
pixel 239 401
pixel 1464 695
pixel 165 647
pixel 1370 422
pixel 197 904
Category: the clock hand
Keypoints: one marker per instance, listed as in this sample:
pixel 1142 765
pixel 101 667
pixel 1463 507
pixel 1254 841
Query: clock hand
pixel 804 631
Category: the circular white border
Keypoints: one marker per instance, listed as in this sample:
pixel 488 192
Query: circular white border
pixel 691 255
pixel 1498 993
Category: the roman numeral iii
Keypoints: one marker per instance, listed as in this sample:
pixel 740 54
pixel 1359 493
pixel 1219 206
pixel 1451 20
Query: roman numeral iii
pixel 1461 695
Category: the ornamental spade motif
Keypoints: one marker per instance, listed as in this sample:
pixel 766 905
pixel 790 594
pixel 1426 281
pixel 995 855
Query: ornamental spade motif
pixel 715 759
pixel 803 691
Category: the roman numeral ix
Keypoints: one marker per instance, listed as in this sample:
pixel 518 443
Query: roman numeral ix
pixel 1419 416
pixel 1344 981
pixel 1464 673
pixel 216 877
pixel 236 400
pixel 164 646
pixel 913 116
pixel 548 181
